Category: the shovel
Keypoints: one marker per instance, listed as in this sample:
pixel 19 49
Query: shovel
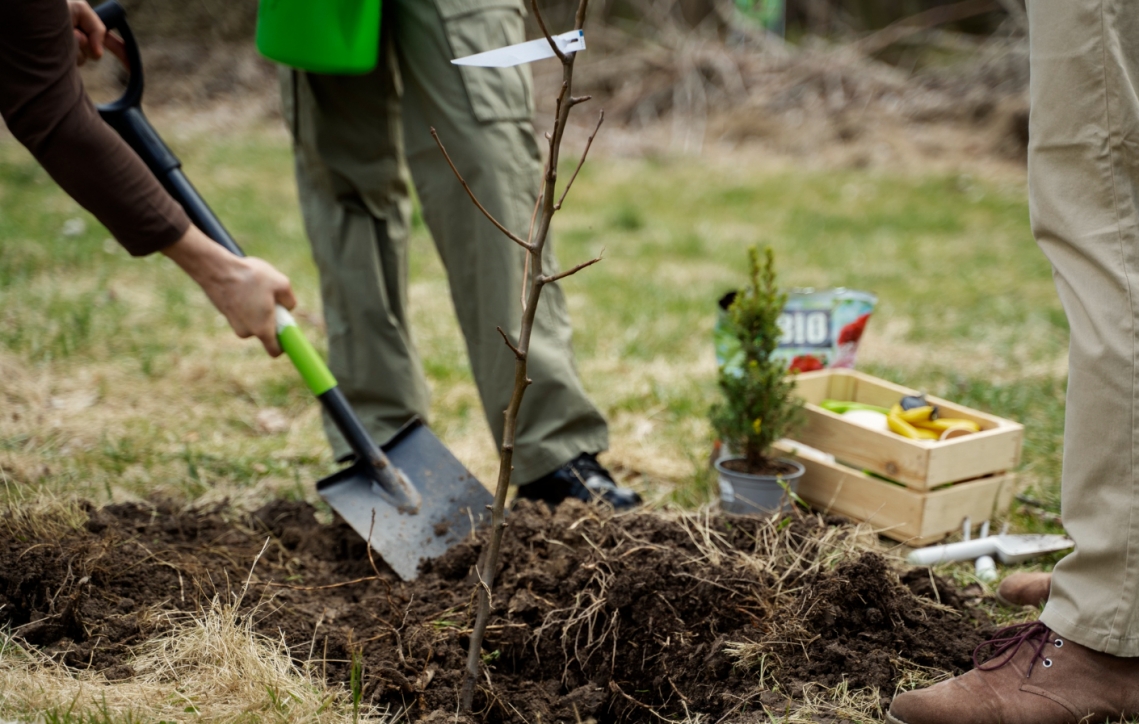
pixel 411 499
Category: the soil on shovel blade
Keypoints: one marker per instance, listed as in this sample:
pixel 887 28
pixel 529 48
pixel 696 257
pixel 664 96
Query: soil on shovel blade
pixel 618 618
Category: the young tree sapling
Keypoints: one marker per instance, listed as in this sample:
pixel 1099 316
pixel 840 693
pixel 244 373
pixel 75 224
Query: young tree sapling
pixel 758 405
pixel 534 280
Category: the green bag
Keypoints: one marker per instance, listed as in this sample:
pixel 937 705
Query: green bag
pixel 340 37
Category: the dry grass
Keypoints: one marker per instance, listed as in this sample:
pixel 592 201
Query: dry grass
pixel 838 703
pixel 764 571
pixel 767 573
pixel 207 667
pixel 820 703
pixel 785 560
pixel 39 516
pixel 918 677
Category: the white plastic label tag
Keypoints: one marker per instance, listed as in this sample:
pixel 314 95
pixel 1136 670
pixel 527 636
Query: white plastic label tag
pixel 527 52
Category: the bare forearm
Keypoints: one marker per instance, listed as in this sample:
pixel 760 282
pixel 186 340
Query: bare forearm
pixel 245 290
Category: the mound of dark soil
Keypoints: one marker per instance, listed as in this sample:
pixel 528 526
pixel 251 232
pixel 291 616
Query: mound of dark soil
pixel 862 626
pixel 596 616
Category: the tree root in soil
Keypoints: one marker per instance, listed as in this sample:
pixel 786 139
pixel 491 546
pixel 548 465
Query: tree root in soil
pixel 640 616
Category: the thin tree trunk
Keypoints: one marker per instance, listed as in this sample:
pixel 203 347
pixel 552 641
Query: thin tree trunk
pixel 535 280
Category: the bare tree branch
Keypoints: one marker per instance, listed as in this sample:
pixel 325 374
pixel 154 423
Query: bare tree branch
pixel 562 275
pixel 511 235
pixel 532 290
pixel 529 240
pixel 549 38
pixel 579 19
pixel 534 215
pixel 517 352
pixel 551 168
pixel 588 143
pixel 525 282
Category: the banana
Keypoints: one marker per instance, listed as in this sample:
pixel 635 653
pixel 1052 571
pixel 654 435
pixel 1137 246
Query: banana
pixel 924 434
pixel 901 427
pixel 905 429
pixel 922 422
pixel 919 415
pixel 948 423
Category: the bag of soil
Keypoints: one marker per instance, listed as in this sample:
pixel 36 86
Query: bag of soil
pixel 821 329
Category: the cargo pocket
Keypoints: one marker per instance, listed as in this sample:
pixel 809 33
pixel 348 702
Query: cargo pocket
pixel 475 26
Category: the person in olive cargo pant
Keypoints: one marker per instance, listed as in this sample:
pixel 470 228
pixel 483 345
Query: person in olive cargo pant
pixel 359 141
pixel 1080 661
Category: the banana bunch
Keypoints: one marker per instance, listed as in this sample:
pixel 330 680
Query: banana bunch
pixel 916 419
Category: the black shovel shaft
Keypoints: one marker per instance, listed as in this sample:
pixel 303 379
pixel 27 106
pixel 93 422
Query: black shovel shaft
pixel 126 117
pixel 337 407
pixel 135 129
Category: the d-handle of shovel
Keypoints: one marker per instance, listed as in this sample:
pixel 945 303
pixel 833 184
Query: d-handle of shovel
pixel 126 117
pixel 115 18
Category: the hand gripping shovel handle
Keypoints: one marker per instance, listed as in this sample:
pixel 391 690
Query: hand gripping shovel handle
pixel 126 117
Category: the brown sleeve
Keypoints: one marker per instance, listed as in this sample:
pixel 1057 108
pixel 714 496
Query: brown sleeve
pixel 45 107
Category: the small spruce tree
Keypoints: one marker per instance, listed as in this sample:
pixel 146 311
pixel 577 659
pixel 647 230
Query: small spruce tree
pixel 758 406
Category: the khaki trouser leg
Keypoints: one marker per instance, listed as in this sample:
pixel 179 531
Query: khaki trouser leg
pixel 1084 190
pixel 483 117
pixel 353 186
pixel 352 180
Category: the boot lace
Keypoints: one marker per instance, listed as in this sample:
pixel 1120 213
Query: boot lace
pixel 1006 642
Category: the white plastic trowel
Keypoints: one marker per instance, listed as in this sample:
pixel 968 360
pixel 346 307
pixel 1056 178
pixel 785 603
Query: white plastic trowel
pixel 1008 548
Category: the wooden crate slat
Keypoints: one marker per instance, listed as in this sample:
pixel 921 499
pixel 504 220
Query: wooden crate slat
pixel 952 461
pixel 905 515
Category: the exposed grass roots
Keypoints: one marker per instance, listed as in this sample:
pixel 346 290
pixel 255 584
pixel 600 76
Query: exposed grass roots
pixel 763 575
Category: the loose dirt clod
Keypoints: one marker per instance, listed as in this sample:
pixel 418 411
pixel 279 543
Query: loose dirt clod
pixel 618 618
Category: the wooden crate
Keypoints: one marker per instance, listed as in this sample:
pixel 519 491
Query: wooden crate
pixel 919 464
pixel 911 517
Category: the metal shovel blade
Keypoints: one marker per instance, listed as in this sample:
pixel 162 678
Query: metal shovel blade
pixel 453 504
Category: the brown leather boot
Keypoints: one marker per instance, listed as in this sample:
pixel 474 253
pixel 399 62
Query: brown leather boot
pixel 1033 677
pixel 1025 589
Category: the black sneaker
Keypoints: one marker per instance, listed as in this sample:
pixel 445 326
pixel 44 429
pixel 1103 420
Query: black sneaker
pixel 583 478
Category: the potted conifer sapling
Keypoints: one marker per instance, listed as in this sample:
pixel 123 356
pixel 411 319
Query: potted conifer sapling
pixel 758 406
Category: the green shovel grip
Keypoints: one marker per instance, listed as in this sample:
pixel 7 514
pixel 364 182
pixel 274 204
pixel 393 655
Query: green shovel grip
pixel 308 362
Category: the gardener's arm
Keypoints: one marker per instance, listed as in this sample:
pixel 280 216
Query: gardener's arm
pixel 245 290
pixel 45 107
pixel 43 102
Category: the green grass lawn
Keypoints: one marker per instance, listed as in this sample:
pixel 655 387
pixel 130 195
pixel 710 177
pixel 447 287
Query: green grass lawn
pixel 117 378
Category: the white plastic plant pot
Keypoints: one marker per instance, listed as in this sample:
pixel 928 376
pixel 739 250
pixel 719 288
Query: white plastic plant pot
pixel 746 494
